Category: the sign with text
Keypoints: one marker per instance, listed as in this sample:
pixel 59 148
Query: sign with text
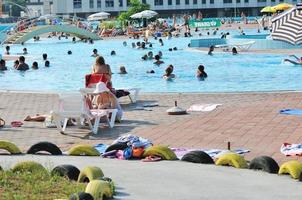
pixel 205 23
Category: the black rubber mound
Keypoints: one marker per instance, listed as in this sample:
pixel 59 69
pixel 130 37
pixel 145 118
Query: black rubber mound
pixel 300 177
pixel 198 157
pixel 81 196
pixel 265 163
pixel 117 146
pixel 45 146
pixel 68 171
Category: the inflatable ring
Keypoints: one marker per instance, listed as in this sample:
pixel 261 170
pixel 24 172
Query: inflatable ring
pixel 293 167
pixel 265 163
pixel 28 166
pixel 231 159
pixel 198 157
pixel 68 171
pixel 45 146
pixel 99 189
pixel 90 173
pixel 10 147
pixel 83 150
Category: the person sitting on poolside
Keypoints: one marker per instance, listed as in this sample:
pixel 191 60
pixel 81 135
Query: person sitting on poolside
pixel 7 49
pixel 168 75
pixel 201 73
pixel 100 67
pixel 22 65
pixel 157 60
pixel 106 100
pixel 211 49
pixel 95 53
pixel 73 40
pixel 234 51
pixel 298 62
pixel 47 63
pixel 3 65
pixel 35 65
pixel 123 70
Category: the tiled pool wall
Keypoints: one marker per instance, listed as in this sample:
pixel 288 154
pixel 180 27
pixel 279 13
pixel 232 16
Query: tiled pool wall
pixel 260 42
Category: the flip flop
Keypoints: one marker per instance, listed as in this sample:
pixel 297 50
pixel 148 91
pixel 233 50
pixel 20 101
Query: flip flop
pixel 16 124
pixel 2 123
pixel 152 159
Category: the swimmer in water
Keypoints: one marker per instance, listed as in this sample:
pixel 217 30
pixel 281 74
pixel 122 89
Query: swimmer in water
pixel 297 62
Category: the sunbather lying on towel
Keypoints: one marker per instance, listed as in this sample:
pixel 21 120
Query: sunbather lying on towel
pixel 297 62
pixel 42 118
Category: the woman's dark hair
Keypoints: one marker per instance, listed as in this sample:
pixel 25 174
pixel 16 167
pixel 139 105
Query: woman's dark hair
pixel 95 51
pixel 170 49
pixel 7 48
pixel 156 57
pixel 150 45
pixel 100 60
pixel 175 48
pixel 24 49
pixel 113 53
pixel 234 50
pixel 69 52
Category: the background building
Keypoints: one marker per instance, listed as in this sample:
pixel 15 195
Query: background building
pixel 209 8
pixel 40 7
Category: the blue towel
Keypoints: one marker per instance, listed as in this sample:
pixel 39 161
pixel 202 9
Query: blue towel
pixel 291 112
pixel 101 148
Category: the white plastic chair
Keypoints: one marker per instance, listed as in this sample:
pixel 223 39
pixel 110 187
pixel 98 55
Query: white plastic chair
pixel 74 106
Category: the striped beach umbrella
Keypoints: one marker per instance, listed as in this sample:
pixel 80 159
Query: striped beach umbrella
pixel 288 26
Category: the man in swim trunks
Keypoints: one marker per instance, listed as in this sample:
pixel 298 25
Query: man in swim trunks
pixel 298 62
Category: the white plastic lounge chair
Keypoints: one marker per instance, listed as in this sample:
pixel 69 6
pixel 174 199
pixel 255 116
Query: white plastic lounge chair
pixel 133 96
pixel 74 106
pixel 242 46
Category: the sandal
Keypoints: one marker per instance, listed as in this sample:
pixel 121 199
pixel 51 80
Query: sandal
pixel 152 159
pixel 2 123
pixel 16 124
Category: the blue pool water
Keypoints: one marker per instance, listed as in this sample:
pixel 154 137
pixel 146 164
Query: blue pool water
pixel 226 73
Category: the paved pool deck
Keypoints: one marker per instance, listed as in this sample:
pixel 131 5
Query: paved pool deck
pixel 247 120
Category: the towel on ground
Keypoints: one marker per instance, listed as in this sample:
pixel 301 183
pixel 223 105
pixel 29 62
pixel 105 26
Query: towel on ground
pixel 291 149
pixel 291 112
pixel 203 107
pixel 214 153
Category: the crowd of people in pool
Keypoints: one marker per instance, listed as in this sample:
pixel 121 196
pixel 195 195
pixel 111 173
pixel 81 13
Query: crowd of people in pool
pixel 20 63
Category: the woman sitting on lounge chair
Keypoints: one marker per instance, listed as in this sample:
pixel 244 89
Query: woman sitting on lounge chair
pixel 106 100
pixel 100 67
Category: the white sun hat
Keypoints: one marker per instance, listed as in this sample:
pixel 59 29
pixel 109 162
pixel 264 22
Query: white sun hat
pixel 101 87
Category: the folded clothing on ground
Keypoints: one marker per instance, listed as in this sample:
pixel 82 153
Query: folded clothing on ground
pixel 291 112
pixel 291 149
pixel 203 107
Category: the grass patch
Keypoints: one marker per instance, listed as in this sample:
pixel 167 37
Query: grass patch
pixel 36 186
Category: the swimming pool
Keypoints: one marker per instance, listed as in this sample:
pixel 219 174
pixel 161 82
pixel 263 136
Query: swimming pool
pixel 226 73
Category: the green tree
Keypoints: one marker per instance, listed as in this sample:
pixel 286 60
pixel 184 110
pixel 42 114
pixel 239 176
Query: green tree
pixel 135 7
pixel 17 6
